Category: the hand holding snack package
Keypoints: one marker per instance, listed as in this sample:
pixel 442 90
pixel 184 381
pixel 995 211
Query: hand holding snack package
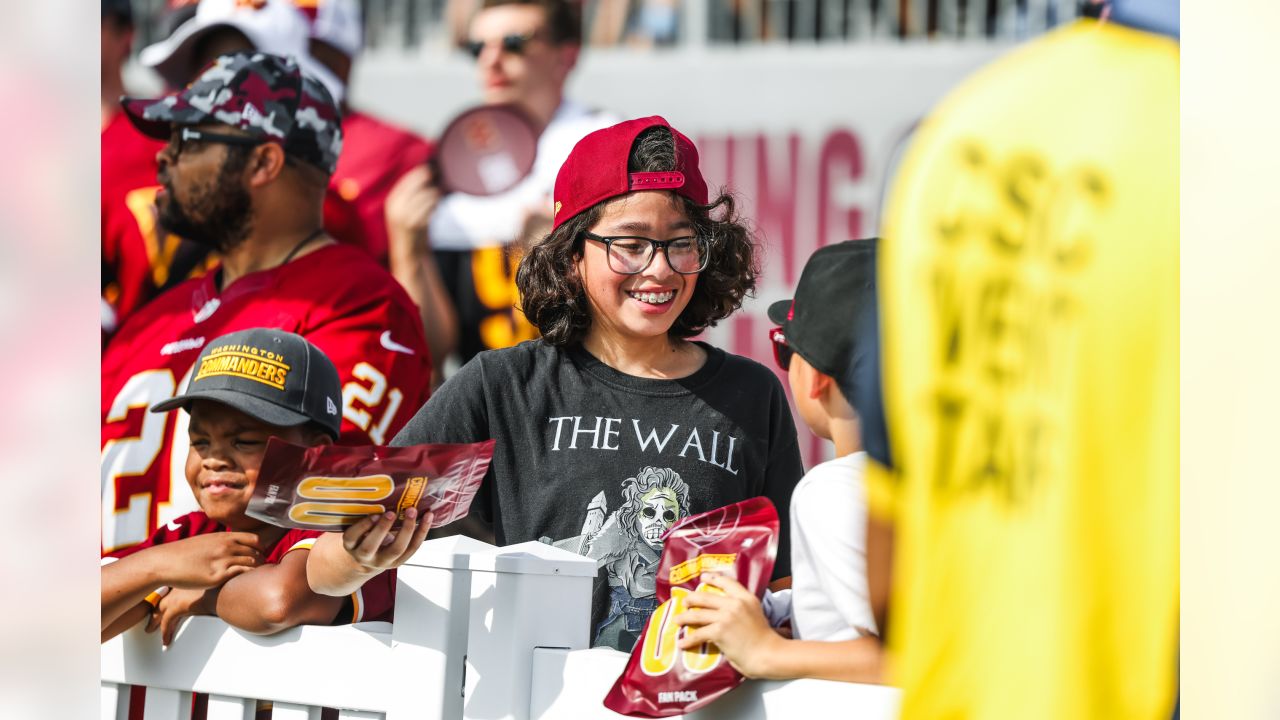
pixel 330 487
pixel 740 540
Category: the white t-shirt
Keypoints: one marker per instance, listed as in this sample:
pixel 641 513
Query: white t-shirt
pixel 465 222
pixel 829 598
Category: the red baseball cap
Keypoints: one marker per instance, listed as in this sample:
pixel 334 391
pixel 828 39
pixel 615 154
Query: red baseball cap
pixel 596 170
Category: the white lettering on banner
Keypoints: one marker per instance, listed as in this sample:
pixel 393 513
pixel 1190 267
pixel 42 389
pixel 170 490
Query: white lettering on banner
pixel 605 435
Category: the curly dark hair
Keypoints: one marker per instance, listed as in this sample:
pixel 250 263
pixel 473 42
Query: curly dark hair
pixel 551 293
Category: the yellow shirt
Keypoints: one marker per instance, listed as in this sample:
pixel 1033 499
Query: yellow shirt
pixel 1029 289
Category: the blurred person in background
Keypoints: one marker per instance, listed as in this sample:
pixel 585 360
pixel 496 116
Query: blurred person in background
pixel 1026 501
pixel 135 251
pixel 141 257
pixel 375 155
pixel 524 52
pixel 252 143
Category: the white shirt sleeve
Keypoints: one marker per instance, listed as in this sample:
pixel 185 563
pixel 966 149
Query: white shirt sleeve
pixel 830 600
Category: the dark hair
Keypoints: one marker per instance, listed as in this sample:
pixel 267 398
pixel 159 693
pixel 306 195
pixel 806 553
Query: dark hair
pixel 551 293
pixel 564 17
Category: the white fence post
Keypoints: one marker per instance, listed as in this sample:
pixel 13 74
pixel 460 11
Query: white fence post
pixel 522 597
pixel 223 707
pixel 429 635
pixel 115 701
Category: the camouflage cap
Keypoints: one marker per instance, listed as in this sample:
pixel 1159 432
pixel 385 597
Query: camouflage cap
pixel 267 96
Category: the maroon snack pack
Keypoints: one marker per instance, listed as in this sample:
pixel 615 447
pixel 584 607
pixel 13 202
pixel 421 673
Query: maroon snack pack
pixel 330 487
pixel 661 680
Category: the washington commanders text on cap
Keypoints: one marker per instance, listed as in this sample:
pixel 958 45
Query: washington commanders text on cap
pixel 272 375
pixel 821 321
pixel 265 95
pixel 596 169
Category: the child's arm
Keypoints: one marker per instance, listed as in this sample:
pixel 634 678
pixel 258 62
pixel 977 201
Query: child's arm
pixel 274 598
pixel 198 562
pixel 735 622
pixel 340 563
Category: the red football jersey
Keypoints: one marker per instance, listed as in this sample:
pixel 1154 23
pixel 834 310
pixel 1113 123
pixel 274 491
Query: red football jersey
pixel 336 297
pixel 374 156
pixel 372 602
pixel 197 523
pixel 135 257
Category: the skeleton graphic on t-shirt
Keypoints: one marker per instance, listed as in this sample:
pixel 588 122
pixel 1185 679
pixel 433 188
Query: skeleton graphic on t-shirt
pixel 628 543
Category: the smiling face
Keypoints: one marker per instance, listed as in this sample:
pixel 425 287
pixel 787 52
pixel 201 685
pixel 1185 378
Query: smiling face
pixel 642 306
pixel 226 453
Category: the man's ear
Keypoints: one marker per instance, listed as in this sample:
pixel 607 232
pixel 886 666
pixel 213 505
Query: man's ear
pixel 266 164
pixel 819 383
pixel 568 59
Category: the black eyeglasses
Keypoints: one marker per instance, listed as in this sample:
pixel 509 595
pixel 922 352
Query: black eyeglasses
pixel 513 43
pixel 182 136
pixel 782 352
pixel 630 255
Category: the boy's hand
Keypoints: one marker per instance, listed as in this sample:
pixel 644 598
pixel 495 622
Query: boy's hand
pixel 176 605
pixel 375 548
pixel 206 561
pixel 731 619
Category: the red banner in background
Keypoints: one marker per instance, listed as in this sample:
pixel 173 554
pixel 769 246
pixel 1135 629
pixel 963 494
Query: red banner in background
pixel 801 192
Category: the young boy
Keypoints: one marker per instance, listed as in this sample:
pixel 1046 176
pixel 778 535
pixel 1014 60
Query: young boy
pixel 248 386
pixel 819 339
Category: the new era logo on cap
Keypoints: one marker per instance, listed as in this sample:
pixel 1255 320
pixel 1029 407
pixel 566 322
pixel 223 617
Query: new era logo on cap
pixel 330 406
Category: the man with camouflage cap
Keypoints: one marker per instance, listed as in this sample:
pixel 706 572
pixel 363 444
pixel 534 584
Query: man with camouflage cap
pixel 252 142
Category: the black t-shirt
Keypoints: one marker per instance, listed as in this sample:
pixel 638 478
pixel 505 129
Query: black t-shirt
pixel 602 463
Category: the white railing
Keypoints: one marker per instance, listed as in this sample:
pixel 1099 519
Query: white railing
pixel 480 632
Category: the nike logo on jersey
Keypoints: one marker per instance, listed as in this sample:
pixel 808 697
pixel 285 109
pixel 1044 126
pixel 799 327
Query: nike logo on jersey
pixel 173 526
pixel 207 310
pixel 392 345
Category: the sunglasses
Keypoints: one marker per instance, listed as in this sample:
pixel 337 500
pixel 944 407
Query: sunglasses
pixel 514 43
pixel 782 352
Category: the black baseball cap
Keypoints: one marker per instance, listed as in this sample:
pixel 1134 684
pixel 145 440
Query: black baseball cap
pixel 821 323
pixel 272 375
